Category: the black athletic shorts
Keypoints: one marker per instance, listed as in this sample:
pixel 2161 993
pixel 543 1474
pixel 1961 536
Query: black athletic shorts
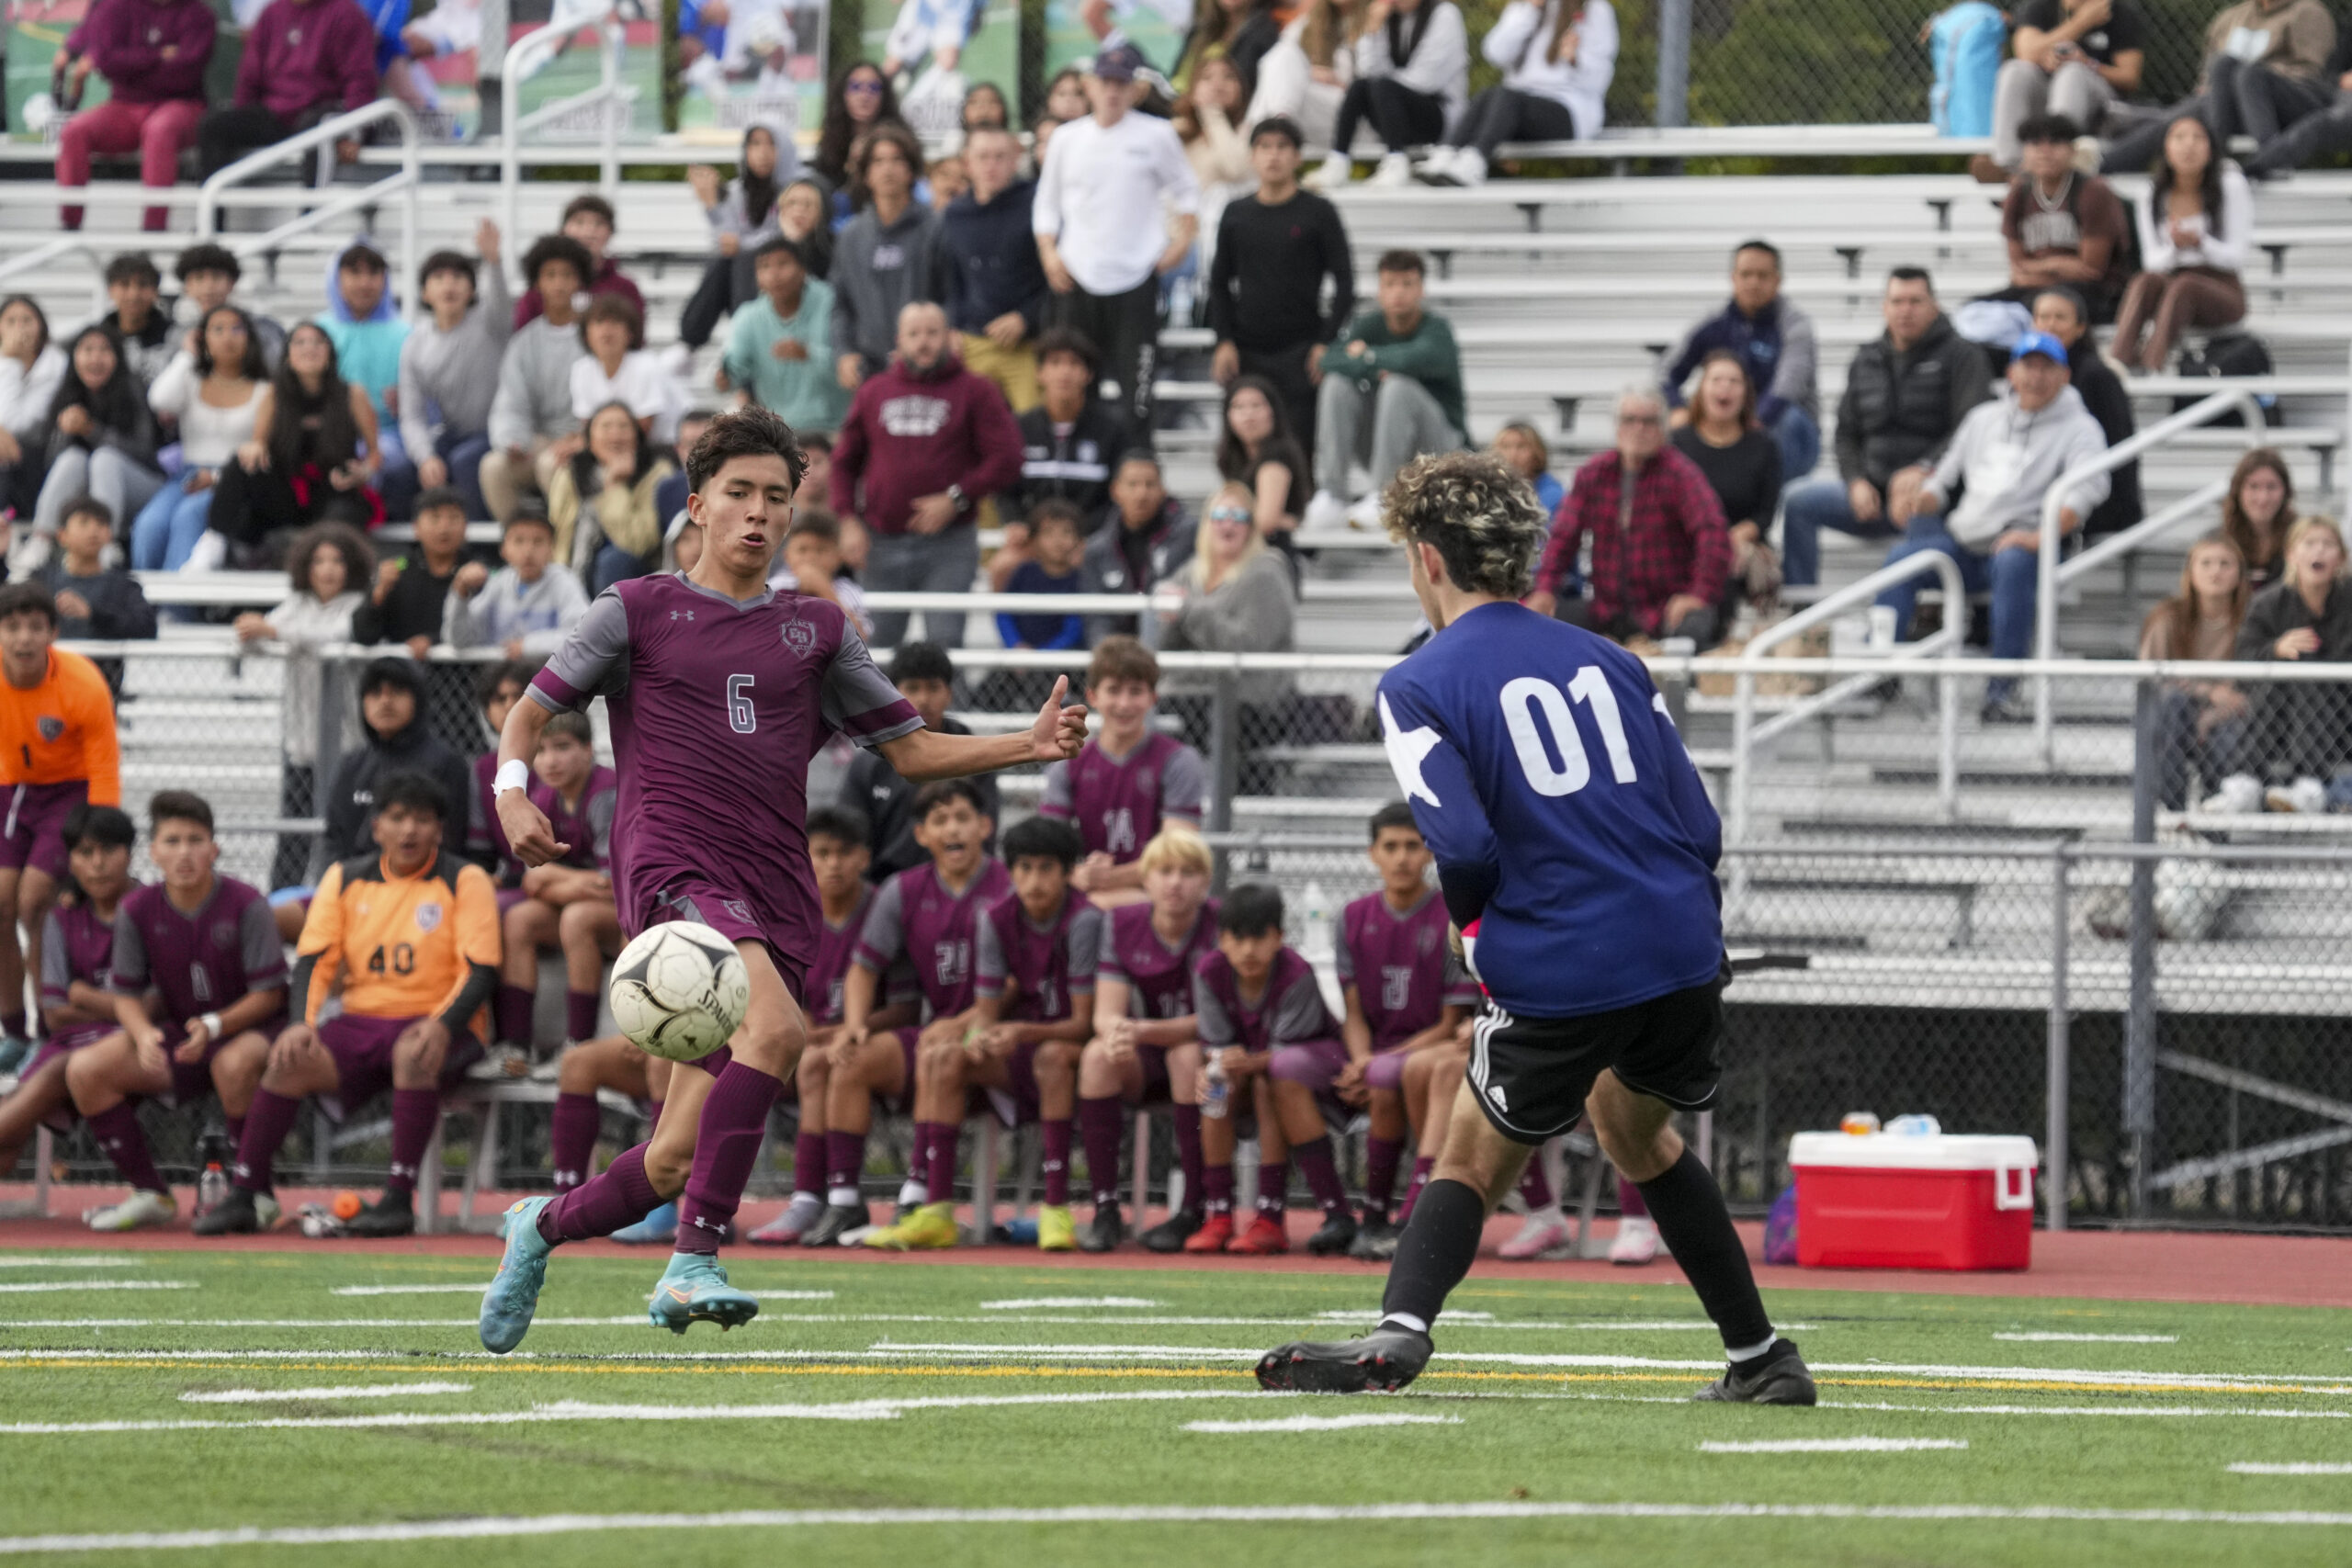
pixel 1532 1073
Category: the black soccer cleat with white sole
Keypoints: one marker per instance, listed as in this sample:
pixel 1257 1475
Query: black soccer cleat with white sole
pixel 389 1215
pixel 1336 1236
pixel 837 1221
pixel 1777 1377
pixel 1382 1361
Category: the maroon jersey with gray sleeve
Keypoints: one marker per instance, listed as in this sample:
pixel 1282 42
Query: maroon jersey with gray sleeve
pixel 836 945
pixel 1044 964
pixel 1158 977
pixel 1401 965
pixel 229 948
pixel 1291 1012
pixel 917 915
pixel 75 945
pixel 1119 803
pixel 716 706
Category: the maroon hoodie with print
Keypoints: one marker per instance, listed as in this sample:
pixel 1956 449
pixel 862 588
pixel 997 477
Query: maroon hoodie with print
pixel 913 434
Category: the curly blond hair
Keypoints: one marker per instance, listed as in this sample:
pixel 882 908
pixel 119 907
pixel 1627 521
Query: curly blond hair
pixel 1480 517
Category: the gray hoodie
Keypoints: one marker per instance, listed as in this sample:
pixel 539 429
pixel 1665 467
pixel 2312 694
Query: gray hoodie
pixel 2008 458
pixel 877 271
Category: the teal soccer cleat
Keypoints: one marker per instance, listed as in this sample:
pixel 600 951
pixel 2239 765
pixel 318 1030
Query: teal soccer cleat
pixel 514 1293
pixel 694 1289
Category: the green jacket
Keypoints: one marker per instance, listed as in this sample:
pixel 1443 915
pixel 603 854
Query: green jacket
pixel 1428 356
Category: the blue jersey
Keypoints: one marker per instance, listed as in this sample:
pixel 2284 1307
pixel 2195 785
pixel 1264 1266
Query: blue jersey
pixel 1565 814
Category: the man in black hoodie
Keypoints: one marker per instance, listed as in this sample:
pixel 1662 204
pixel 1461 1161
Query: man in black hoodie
pixel 1072 442
pixel 1904 396
pixel 993 285
pixel 392 698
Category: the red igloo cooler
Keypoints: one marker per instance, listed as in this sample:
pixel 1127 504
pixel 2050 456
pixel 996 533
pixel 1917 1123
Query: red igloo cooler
pixel 1887 1201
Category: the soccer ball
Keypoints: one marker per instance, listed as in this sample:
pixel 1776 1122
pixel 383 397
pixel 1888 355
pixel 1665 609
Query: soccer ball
pixel 679 990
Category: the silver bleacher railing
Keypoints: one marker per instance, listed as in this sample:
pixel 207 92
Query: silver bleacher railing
pixel 230 185
pixel 526 55
pixel 28 262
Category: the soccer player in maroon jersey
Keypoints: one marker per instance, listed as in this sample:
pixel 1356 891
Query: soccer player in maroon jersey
pixel 1129 781
pixel 1033 967
pixel 1264 1026
pixel 614 1063
pixel 720 691
pixel 76 1009
pixel 1405 993
pixel 1146 1050
pixel 206 948
pixel 567 904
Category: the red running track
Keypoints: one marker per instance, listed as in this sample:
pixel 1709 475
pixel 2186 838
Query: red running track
pixel 2123 1266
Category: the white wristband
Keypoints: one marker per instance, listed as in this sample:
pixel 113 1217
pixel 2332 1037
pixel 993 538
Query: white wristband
pixel 211 1021
pixel 515 774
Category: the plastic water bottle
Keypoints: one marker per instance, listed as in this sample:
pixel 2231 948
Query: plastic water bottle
pixel 1859 1123
pixel 1918 1125
pixel 1316 910
pixel 1216 1102
pixel 212 1183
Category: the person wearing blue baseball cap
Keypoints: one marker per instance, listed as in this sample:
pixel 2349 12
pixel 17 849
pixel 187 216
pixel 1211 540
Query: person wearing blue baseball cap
pixel 2002 464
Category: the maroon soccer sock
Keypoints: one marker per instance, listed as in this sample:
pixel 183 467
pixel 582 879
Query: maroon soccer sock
pixel 236 1132
pixel 1422 1166
pixel 938 1165
pixel 602 1204
pixel 573 1143
pixel 1314 1163
pixel 808 1164
pixel 1535 1187
pixel 1098 1125
pixel 579 1015
pixel 1216 1189
pixel 1056 1137
pixel 1380 1158
pixel 267 1121
pixel 513 1015
pixel 726 1144
pixel 416 1113
pixel 1274 1189
pixel 844 1160
pixel 1187 1120
pixel 117 1132
pixel 12 1024
pixel 1629 1202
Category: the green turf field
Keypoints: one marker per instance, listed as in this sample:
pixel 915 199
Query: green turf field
pixel 178 1392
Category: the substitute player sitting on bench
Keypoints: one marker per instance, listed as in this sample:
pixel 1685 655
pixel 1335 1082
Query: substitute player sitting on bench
pixel 1129 781
pixel 412 934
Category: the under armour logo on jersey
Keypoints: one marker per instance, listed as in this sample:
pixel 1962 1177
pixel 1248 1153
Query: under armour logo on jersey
pixel 1407 749
pixel 682 614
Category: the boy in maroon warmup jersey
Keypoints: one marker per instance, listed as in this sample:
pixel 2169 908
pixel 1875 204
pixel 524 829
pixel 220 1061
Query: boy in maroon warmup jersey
pixel 929 916
pixel 1406 993
pixel 1264 1027
pixel 76 1009
pixel 204 949
pixel 568 903
pixel 1145 1050
pixel 720 691
pixel 1033 964
pixel 1129 781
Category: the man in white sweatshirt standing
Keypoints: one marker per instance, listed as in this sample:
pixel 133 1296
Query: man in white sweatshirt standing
pixel 1116 205
pixel 2005 458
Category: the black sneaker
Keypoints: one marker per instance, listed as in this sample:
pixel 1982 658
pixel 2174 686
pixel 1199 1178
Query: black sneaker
pixel 1336 1235
pixel 1107 1231
pixel 1171 1234
pixel 1777 1377
pixel 1375 1241
pixel 1385 1360
pixel 2006 707
pixel 387 1216
pixel 837 1221
pixel 234 1215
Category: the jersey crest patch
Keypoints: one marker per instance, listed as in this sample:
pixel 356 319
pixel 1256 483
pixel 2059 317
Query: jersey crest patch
pixel 428 917
pixel 800 637
pixel 51 728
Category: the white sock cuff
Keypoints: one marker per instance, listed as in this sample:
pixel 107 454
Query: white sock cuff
pixel 1405 1320
pixel 842 1197
pixel 1749 1352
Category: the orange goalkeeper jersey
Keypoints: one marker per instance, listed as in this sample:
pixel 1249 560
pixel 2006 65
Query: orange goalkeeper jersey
pixel 61 729
pixel 403 946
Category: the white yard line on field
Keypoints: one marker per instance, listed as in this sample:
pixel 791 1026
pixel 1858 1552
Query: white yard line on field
pixel 1320 1423
pixel 2249 1469
pixel 1030 1304
pixel 338 1391
pixel 1833 1446
pixel 2090 1338
pixel 37 1287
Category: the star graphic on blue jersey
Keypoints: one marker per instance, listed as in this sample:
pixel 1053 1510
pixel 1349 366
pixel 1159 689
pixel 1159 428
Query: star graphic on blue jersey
pixel 1407 748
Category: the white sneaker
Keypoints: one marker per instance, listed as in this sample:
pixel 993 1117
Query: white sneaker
pixel 1326 514
pixel 1434 164
pixel 1365 514
pixel 499 1065
pixel 267 1210
pixel 1468 168
pixel 29 556
pixel 1334 174
pixel 1636 1240
pixel 134 1213
pixel 1395 171
pixel 212 553
pixel 2240 795
pixel 2306 797
pixel 1539 1233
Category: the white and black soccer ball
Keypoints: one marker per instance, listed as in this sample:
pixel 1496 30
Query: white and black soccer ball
pixel 679 990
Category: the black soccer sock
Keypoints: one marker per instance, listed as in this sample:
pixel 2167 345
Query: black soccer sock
pixel 1440 1243
pixel 1697 1229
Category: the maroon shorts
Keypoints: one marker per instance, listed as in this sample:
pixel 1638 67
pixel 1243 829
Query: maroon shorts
pixel 1387 1070
pixel 738 920
pixel 1156 1089
pixel 56 1048
pixel 507 898
pixel 191 1081
pixel 33 832
pixel 362 1049
pixel 1015 1103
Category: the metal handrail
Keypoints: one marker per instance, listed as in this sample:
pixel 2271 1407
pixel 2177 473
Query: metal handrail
pixel 408 180
pixel 2205 411
pixel 63 245
pixel 1746 737
pixel 524 56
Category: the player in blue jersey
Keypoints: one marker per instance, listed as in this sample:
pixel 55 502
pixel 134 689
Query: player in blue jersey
pixel 1599 937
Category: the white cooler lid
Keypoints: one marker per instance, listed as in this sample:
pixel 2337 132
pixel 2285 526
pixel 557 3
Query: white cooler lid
pixel 1893 1151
